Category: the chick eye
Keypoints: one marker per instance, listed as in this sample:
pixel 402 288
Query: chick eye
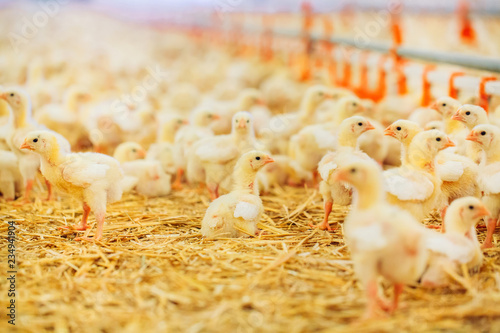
pixel 11 94
pixel 483 133
pixel 134 150
pixel 467 113
pixel 209 115
pixel 471 207
pixel 248 121
pixel 438 139
pixel 444 104
pixel 35 140
pixel 353 170
pixel 236 121
pixel 320 93
pixel 354 104
pixel 257 158
pixel 179 121
pixel 360 124
pixel 398 128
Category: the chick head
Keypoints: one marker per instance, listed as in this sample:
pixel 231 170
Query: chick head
pixel 463 213
pixel 44 143
pixel 16 98
pixel 430 142
pixel 402 130
pixel 243 121
pixel 253 161
pixel 484 135
pixel 349 106
pixel 356 125
pixel 129 151
pixel 446 106
pixel 251 97
pixel 358 172
pixel 204 116
pixel 470 115
pixel 317 94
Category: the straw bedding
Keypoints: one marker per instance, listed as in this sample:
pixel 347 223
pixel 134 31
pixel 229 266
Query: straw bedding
pixel 154 272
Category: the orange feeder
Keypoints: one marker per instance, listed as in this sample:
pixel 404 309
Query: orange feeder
pixel 426 86
pixel 452 91
pixel 483 97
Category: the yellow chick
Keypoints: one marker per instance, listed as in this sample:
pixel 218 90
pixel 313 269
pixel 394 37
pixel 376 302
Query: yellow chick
pixel 212 159
pixel 332 191
pixel 488 137
pixel 237 213
pixel 90 177
pixel 458 245
pixel 471 116
pixel 415 186
pixel 384 240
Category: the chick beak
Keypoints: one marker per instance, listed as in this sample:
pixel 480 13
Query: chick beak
pixel 185 122
pixel 388 131
pixel 483 211
pixel 242 123
pixel 25 145
pixel 261 102
pixel 472 137
pixel 142 153
pixel 458 117
pixel 215 116
pixel 268 160
pixel 449 143
pixel 328 96
pixel 369 126
pixel 3 96
pixel 434 107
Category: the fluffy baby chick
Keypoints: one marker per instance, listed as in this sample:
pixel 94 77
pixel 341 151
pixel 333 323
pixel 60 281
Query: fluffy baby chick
pixel 384 240
pixel 457 131
pixel 459 245
pixel 332 191
pixel 186 137
pixel 237 213
pixel 212 159
pixel 283 126
pixel 458 173
pixel 21 124
pixel 129 151
pixel 488 137
pixel 471 116
pixel 415 186
pixel 147 177
pixel 90 177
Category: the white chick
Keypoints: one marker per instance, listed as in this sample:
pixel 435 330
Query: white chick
pixel 423 116
pixel 312 142
pixel 332 191
pixel 21 124
pixel 458 245
pixel 383 239
pixel 147 177
pixel 90 177
pixel 212 159
pixel 282 127
pixel 471 116
pixel 415 186
pixel 237 213
pixel 488 137
pixel 185 138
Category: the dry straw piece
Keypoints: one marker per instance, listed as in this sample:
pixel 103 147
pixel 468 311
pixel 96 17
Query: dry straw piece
pixel 153 272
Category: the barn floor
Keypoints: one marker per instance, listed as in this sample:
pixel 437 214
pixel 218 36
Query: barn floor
pixel 154 273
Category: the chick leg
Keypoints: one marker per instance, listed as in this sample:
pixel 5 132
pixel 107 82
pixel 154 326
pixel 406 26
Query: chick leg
pixel 213 189
pixel 83 223
pixel 373 301
pixel 490 229
pixel 325 225
pixel 398 289
pixel 50 194
pixel 27 191
pixel 99 216
pixel 177 185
